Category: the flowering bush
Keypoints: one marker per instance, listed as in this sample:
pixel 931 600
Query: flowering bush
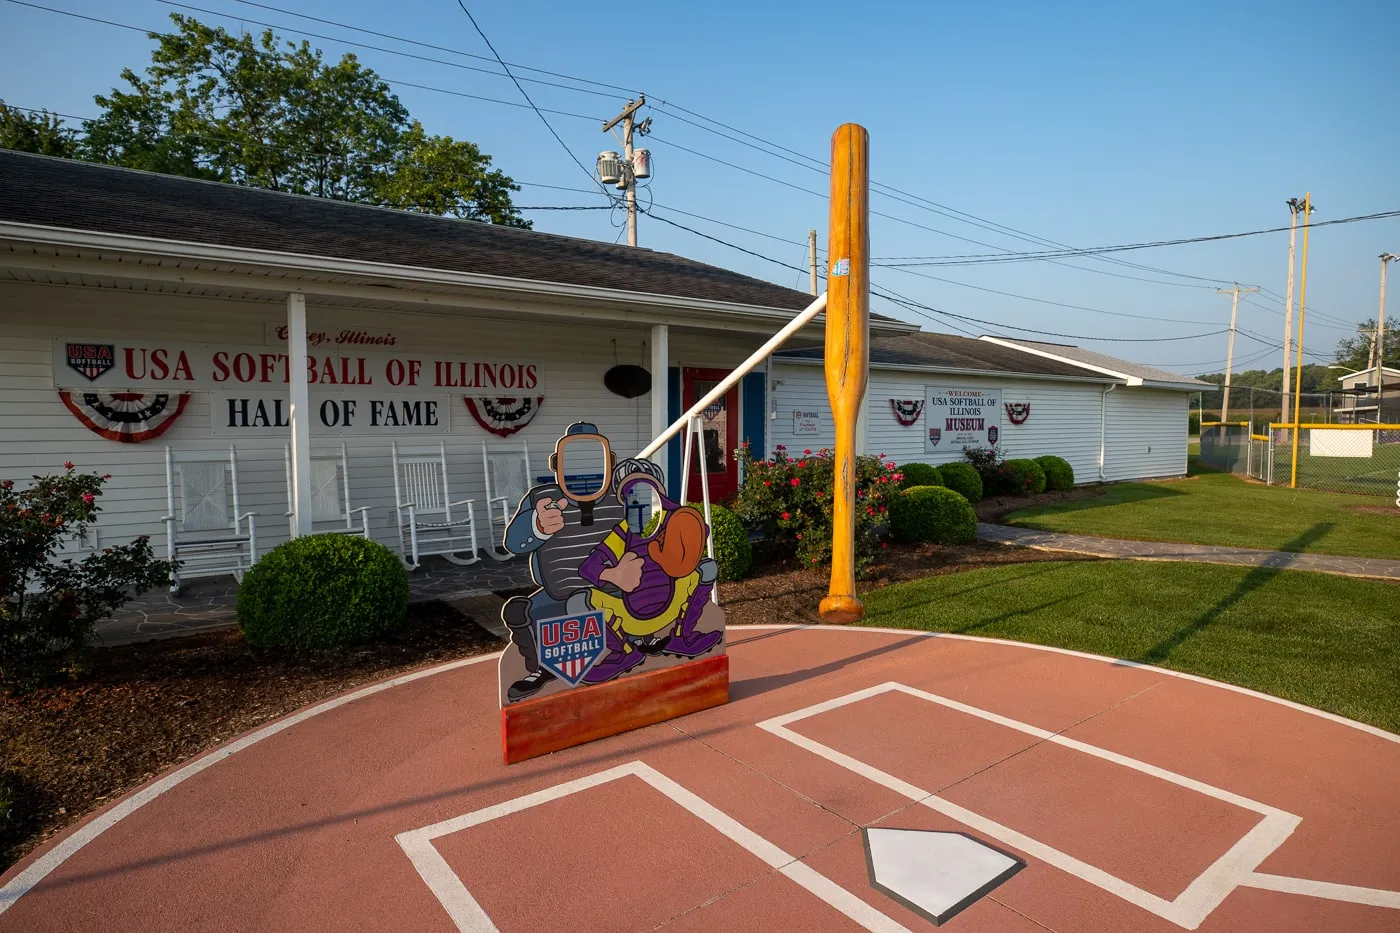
pixel 789 499
pixel 990 466
pixel 48 607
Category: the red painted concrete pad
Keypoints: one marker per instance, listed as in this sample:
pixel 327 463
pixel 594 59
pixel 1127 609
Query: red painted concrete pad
pixel 299 827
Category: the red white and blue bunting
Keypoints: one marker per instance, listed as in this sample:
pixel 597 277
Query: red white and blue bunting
pixel 907 411
pixel 1018 412
pixel 503 416
pixel 126 417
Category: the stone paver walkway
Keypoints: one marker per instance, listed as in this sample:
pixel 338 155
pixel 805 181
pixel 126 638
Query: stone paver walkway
pixel 205 605
pixel 1197 553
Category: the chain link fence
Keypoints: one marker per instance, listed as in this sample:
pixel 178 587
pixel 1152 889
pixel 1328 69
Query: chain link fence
pixel 1359 459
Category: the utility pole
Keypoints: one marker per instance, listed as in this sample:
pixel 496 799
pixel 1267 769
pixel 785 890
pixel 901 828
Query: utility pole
pixel 1295 205
pixel 1302 306
pixel 1230 353
pixel 635 163
pixel 812 257
pixel 1380 343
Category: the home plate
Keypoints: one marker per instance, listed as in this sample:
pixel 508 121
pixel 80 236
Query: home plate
pixel 935 874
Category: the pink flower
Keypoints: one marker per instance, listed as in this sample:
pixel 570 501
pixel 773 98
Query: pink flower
pixel 891 465
pixel 68 464
pixel 89 498
pixel 795 481
pixel 884 544
pixel 767 483
pixel 106 475
pixel 807 452
pixel 7 484
pixel 820 493
pixel 787 515
pixel 799 537
pixel 780 447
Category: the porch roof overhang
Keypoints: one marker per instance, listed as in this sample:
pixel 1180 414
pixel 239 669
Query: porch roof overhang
pixel 65 256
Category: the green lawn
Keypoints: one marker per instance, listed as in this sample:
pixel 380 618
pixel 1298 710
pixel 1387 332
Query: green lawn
pixel 1217 508
pixel 1326 641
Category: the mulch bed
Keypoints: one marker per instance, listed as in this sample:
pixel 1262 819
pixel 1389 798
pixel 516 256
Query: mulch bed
pixel 141 709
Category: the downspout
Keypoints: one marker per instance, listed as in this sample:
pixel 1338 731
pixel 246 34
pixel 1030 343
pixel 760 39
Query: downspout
pixel 1103 428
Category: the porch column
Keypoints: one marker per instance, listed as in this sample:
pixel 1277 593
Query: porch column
pixel 660 403
pixel 300 414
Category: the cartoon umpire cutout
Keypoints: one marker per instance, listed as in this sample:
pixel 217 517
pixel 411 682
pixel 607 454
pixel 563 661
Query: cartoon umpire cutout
pixel 612 600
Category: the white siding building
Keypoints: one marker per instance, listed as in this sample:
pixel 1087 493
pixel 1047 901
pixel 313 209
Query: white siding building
pixel 1111 419
pixel 171 296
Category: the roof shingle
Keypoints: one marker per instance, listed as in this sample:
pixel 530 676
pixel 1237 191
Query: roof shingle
pixel 81 196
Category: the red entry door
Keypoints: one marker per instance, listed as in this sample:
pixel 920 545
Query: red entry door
pixel 720 423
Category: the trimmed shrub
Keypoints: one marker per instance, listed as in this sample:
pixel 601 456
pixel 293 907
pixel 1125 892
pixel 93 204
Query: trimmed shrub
pixel 962 479
pixel 919 474
pixel 1022 477
pixel 733 552
pixel 322 591
pixel 1058 473
pixel 934 514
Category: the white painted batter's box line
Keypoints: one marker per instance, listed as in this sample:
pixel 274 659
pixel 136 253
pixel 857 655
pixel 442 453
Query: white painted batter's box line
pixel 469 916
pixel 1236 868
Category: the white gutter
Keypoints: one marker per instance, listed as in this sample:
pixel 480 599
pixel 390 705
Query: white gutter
pixel 1103 430
pixel 1034 351
pixel 307 263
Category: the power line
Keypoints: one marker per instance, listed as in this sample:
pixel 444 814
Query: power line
pixel 1047 301
pixel 984 258
pixel 525 94
pixel 440 48
pixel 506 73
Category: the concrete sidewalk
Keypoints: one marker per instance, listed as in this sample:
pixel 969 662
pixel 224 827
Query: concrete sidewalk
pixel 1197 553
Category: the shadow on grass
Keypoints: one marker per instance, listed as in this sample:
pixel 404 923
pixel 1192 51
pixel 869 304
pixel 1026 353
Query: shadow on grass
pixel 1013 614
pixel 1053 567
pixel 1252 581
pixel 1112 495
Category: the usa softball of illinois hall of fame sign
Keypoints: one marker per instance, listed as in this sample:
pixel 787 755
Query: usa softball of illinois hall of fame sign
pixel 961 418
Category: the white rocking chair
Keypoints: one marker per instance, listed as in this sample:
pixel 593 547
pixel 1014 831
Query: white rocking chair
pixel 330 496
pixel 206 531
pixel 424 507
pixel 507 481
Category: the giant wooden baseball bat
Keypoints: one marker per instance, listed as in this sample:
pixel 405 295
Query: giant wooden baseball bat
pixel 847 351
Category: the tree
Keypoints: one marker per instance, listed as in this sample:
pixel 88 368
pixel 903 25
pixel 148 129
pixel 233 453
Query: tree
pixel 1355 352
pixel 254 110
pixel 40 132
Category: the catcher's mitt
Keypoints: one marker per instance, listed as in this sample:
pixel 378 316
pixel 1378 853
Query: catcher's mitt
pixel 679 545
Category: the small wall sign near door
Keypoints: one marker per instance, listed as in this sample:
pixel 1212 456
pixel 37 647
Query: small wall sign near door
pixel 806 422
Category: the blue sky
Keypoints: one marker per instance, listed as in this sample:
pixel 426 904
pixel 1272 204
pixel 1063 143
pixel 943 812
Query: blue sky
pixel 1085 123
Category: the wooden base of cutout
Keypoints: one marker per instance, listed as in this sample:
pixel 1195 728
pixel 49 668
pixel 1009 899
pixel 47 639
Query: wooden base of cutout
pixel 537 727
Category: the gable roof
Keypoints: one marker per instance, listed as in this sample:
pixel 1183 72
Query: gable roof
pixel 79 196
pixel 947 352
pixel 1134 374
